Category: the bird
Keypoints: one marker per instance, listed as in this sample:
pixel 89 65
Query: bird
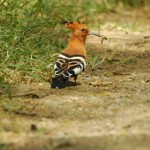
pixel 73 59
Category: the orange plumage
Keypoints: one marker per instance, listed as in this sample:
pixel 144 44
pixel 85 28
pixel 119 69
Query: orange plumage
pixel 77 42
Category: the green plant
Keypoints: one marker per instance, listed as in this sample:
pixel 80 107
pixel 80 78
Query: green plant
pixel 128 61
pixel 94 60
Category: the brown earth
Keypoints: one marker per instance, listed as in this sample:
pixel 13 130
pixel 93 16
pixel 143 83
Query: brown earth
pixel 109 109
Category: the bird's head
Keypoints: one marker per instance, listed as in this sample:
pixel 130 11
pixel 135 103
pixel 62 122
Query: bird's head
pixel 78 29
pixel 81 30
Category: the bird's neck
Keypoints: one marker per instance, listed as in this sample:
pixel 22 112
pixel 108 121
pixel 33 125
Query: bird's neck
pixel 77 41
pixel 76 46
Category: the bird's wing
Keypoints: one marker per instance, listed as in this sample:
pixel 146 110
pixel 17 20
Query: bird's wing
pixel 69 66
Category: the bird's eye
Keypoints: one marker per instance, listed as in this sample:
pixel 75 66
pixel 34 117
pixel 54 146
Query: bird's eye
pixel 83 30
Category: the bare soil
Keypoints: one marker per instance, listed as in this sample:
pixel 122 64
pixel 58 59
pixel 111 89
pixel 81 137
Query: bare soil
pixel 109 109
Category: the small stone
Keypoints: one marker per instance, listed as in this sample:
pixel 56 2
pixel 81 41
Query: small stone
pixel 100 83
pixel 96 83
pixel 7 125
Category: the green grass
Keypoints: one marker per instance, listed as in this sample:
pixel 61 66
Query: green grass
pixel 31 34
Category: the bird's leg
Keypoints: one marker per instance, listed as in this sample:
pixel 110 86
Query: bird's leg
pixel 75 78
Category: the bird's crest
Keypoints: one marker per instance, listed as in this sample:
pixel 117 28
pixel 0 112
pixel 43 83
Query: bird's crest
pixel 75 25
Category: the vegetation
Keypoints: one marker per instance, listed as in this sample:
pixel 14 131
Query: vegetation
pixel 31 33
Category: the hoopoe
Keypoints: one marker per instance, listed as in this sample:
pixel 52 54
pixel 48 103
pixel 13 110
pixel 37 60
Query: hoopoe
pixel 73 60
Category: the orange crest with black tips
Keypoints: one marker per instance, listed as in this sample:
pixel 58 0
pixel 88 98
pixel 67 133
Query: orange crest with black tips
pixel 76 25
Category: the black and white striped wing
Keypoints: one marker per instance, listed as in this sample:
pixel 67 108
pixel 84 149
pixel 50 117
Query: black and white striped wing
pixel 69 66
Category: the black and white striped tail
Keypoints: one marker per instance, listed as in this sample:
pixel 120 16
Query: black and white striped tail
pixel 66 67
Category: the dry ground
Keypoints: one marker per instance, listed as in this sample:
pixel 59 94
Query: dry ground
pixel 110 109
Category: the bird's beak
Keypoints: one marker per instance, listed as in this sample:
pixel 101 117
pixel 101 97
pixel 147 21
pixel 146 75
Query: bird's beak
pixel 99 35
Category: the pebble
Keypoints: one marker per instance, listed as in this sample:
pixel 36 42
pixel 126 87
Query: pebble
pixel 100 83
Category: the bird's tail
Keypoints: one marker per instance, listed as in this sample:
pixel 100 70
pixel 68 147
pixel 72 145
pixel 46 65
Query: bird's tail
pixel 58 82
